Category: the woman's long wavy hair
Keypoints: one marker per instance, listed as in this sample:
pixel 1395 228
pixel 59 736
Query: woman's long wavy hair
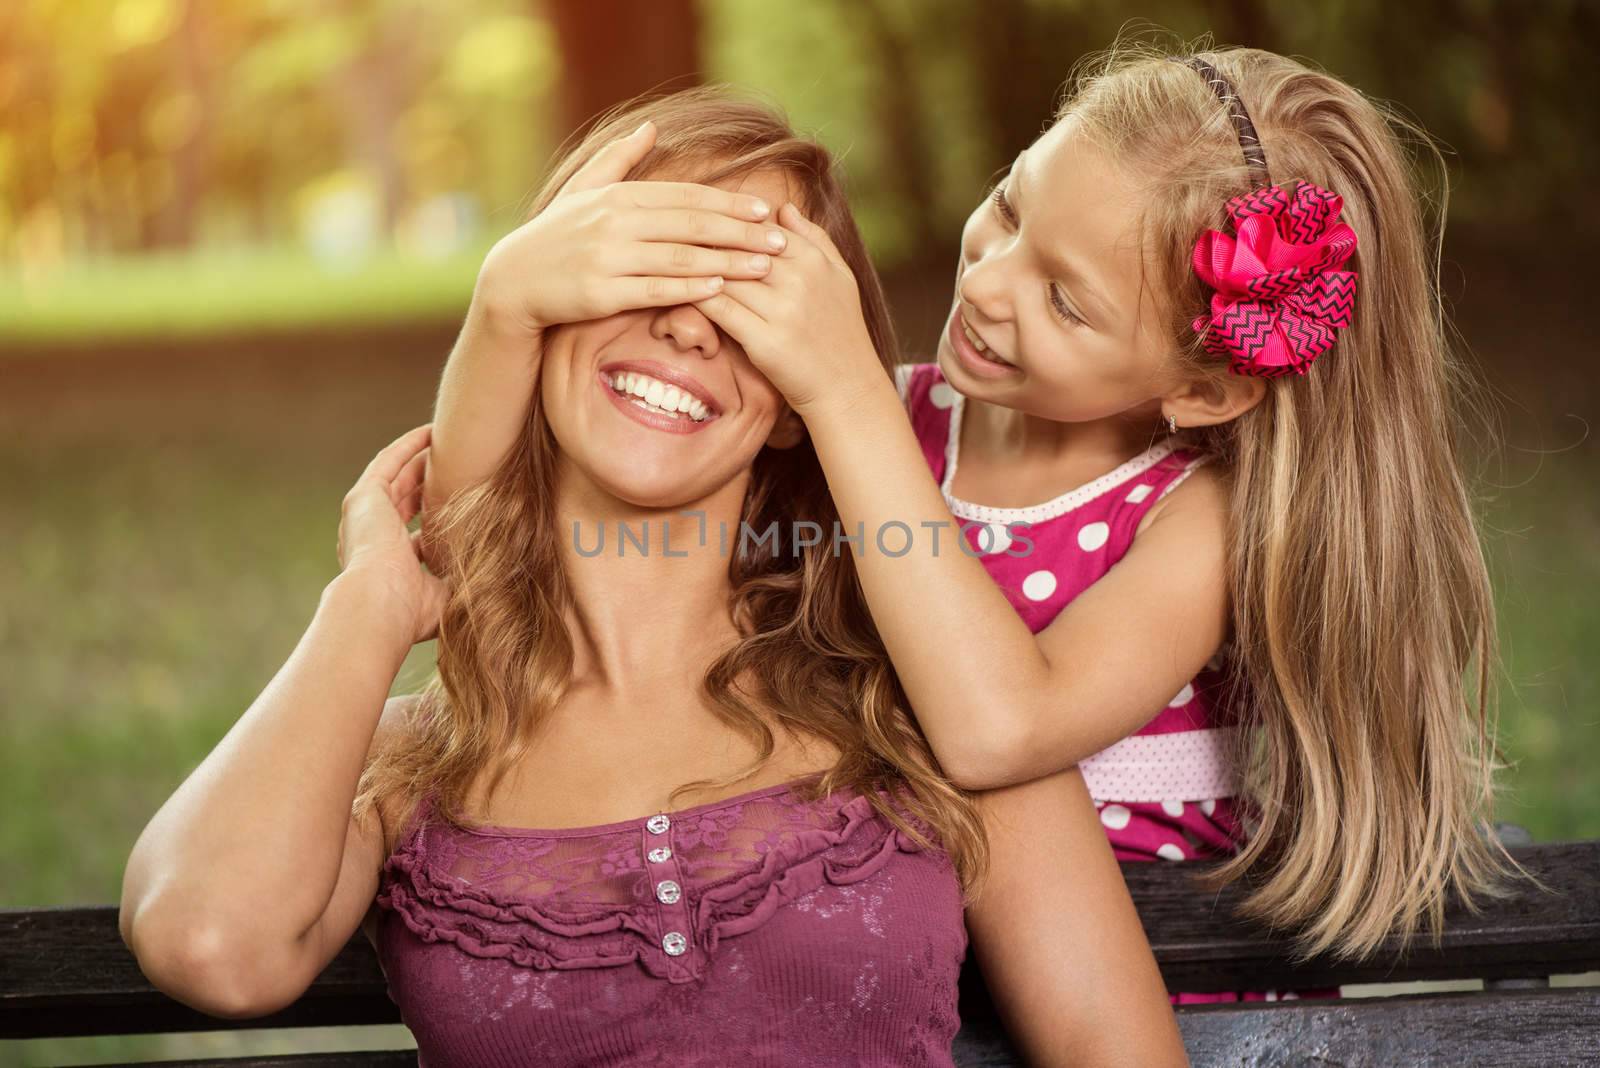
pixel 1363 624
pixel 809 658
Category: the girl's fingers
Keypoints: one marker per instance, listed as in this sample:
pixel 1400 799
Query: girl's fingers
pixel 613 162
pixel 656 291
pixel 735 318
pixel 761 297
pixel 698 226
pixel 692 261
pixel 701 197
pixel 789 216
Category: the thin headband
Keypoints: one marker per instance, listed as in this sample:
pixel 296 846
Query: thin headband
pixel 1254 156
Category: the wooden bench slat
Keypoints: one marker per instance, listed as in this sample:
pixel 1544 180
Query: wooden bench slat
pixel 1542 1029
pixel 1202 947
pixel 386 1058
pixel 65 971
pixel 1525 1029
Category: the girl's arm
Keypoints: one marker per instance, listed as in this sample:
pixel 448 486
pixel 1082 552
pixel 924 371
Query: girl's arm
pixel 1057 937
pixel 603 245
pixel 999 705
pixel 254 873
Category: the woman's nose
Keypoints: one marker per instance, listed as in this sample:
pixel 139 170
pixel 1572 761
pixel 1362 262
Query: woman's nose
pixel 687 328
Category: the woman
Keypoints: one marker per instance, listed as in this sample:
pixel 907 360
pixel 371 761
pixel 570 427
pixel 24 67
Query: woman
pixel 662 802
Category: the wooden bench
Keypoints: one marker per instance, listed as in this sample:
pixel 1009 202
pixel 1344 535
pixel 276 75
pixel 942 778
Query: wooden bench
pixel 65 972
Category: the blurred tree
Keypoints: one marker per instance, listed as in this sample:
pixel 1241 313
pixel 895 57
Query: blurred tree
pixel 375 85
pixel 614 50
pixel 180 125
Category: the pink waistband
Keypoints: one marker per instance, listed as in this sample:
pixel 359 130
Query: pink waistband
pixel 1177 766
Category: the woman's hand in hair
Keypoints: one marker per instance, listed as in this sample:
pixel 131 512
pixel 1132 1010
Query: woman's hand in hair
pixel 802 325
pixel 606 245
pixel 374 544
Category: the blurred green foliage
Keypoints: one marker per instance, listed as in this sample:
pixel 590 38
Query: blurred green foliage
pixel 402 131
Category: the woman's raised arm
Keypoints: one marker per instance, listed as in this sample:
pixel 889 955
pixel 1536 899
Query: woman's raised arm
pixel 227 890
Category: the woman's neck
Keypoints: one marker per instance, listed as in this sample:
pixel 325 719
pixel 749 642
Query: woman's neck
pixel 650 588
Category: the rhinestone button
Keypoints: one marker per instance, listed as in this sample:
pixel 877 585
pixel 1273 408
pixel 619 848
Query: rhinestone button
pixel 667 892
pixel 657 824
pixel 674 943
pixel 659 855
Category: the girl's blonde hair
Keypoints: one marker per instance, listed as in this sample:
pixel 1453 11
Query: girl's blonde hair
pixel 1361 599
pixel 809 659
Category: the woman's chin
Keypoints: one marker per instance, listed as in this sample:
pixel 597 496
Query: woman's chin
pixel 657 491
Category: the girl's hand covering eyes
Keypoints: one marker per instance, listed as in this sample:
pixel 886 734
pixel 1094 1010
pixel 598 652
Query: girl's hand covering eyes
pixel 606 245
pixel 802 324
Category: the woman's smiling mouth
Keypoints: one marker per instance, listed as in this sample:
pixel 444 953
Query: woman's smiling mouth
pixel 658 397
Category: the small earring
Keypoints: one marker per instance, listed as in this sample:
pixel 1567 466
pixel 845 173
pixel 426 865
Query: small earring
pixel 1172 423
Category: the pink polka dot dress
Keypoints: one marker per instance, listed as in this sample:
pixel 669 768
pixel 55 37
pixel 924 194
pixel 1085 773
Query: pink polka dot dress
pixel 1167 792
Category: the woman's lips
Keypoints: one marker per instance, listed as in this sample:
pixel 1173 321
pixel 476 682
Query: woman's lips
pixel 667 375
pixel 632 407
pixel 973 361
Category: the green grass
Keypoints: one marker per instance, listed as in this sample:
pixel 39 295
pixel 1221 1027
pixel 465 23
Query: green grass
pixel 198 293
pixel 1547 582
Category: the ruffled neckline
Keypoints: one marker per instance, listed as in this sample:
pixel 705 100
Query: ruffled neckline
pixel 854 842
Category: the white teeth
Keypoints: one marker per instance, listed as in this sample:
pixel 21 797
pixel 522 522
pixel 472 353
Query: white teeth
pixel 977 343
pixel 657 396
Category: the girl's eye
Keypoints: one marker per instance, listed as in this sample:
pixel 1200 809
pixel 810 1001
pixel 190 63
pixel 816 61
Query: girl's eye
pixel 1059 306
pixel 1002 205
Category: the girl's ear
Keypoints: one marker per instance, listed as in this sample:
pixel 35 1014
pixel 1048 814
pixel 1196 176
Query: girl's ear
pixel 788 431
pixel 1212 401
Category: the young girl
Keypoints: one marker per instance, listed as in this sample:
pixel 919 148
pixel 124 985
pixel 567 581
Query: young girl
pixel 1192 413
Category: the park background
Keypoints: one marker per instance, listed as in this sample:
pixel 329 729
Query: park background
pixel 236 239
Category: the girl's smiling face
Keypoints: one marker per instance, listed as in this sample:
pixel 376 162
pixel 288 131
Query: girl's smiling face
pixel 607 386
pixel 1049 284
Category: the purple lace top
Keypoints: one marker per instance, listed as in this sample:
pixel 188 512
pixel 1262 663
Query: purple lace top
pixel 762 929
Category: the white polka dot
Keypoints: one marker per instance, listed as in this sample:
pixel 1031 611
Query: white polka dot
pixel 993 538
pixel 1039 585
pixel 1139 493
pixel 1185 695
pixel 1169 852
pixel 1093 536
pixel 1208 807
pixel 942 395
pixel 1115 816
pixel 1172 808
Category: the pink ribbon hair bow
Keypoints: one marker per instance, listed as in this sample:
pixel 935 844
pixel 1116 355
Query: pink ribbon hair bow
pixel 1279 299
